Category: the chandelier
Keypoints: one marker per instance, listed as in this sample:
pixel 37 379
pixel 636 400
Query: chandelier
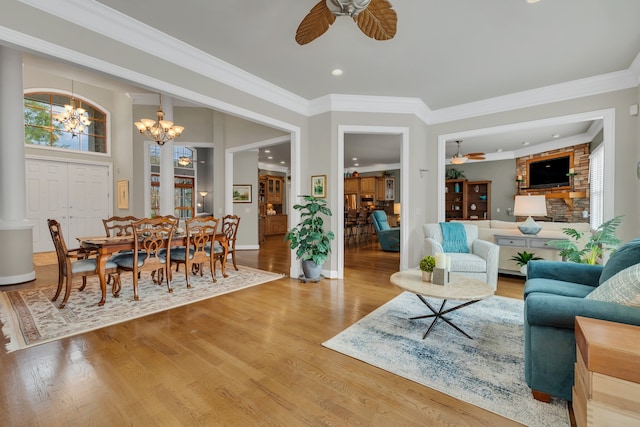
pixel 74 120
pixel 162 132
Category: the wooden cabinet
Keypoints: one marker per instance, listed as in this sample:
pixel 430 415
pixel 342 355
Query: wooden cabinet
pixel 455 206
pixel 275 185
pixel 368 185
pixel 606 390
pixel 351 185
pixel 386 188
pixel 275 224
pixel 467 199
pixel 478 199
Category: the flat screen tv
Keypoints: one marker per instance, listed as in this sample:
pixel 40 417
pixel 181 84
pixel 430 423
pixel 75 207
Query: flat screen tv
pixel 549 173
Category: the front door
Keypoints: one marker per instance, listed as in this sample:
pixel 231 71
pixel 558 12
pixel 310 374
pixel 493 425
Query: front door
pixel 76 195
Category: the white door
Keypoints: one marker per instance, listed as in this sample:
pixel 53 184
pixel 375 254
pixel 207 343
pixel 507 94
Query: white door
pixel 76 195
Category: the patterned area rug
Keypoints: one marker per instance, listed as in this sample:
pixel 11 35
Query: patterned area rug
pixel 30 318
pixel 487 371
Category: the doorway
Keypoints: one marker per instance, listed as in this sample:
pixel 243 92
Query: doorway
pixel 78 195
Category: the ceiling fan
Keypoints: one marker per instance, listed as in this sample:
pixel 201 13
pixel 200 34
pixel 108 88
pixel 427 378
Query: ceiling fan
pixel 376 18
pixel 459 158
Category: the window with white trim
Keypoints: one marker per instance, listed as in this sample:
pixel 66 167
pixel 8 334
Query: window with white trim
pixel 596 186
pixel 41 129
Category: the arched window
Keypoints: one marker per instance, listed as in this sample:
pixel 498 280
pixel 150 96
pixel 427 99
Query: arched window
pixel 41 129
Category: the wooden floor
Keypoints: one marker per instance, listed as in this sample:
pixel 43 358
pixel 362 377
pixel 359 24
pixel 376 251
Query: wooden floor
pixel 253 357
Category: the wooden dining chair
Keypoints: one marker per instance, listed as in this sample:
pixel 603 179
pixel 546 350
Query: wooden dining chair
pixel 230 224
pixel 200 234
pixel 117 226
pixel 151 251
pixel 83 266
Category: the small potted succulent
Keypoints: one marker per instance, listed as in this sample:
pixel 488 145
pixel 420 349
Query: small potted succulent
pixel 523 258
pixel 427 264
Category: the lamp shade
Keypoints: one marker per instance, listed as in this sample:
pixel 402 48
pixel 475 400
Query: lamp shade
pixel 530 206
pixel 396 208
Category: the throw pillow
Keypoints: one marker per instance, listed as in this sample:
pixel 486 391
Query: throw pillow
pixel 623 288
pixel 626 256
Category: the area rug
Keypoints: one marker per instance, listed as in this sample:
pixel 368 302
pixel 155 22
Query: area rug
pixel 30 318
pixel 487 371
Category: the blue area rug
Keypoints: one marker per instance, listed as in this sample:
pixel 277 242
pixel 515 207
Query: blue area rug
pixel 487 371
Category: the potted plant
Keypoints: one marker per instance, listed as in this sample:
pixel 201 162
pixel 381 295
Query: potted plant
pixel 311 243
pixel 523 258
pixel 427 264
pixel 602 240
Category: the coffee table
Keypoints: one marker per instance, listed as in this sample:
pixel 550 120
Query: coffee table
pixel 460 288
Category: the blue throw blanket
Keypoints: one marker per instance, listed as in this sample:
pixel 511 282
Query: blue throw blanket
pixel 454 238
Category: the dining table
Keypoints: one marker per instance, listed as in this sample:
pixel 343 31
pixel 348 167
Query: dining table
pixel 107 246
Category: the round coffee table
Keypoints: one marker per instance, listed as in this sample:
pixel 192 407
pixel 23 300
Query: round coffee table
pixel 459 288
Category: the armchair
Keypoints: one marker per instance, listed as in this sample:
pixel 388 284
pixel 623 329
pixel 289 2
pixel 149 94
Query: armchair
pixel 481 262
pixel 388 237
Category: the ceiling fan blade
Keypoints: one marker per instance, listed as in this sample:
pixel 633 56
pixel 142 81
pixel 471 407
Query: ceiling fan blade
pixel 475 154
pixel 378 21
pixel 477 157
pixel 315 24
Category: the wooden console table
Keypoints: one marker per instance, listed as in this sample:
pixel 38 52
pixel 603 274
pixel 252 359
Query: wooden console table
pixel 606 389
pixel 525 241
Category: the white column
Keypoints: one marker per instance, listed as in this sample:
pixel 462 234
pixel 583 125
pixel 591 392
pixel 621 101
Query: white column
pixel 16 240
pixel 167 177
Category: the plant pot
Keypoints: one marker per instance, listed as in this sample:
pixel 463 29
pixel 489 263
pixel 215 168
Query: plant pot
pixel 523 269
pixel 426 276
pixel 311 270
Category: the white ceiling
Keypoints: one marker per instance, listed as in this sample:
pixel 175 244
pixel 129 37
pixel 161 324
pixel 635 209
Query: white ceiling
pixel 446 53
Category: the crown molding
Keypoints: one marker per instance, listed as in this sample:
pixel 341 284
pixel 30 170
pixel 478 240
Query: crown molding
pixel 110 23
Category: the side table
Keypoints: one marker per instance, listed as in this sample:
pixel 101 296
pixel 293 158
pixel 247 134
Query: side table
pixel 606 388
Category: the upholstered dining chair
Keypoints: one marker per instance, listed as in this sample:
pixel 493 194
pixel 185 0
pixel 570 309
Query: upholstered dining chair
pixel 200 233
pixel 83 266
pixel 474 258
pixel 151 251
pixel 230 224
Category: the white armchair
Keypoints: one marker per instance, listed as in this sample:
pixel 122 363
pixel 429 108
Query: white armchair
pixel 481 262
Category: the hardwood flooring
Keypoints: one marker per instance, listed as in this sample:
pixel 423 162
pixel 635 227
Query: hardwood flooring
pixel 253 357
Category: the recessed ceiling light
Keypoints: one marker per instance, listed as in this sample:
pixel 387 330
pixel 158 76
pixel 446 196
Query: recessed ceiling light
pixel 282 162
pixel 354 159
pixel 270 157
pixel 499 150
pixel 336 72
pixel 356 164
pixel 533 1
pixel 526 143
pixel 267 151
pixel 556 135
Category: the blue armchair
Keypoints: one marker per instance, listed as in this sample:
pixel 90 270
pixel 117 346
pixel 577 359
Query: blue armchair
pixel 388 237
pixel 554 294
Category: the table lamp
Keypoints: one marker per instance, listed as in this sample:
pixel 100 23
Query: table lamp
pixel 530 206
pixel 396 211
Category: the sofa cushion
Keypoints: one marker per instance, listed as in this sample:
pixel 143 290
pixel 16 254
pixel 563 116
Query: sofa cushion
pixel 626 256
pixel 623 288
pixel 556 287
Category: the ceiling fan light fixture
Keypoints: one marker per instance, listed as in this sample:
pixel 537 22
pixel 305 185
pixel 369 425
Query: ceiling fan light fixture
pixel 458 160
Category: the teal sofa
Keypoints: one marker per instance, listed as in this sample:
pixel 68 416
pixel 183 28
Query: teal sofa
pixel 554 294
pixel 389 237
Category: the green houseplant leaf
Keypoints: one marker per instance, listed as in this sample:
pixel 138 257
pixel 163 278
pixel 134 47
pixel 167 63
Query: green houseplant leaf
pixel 602 240
pixel 524 257
pixel 308 238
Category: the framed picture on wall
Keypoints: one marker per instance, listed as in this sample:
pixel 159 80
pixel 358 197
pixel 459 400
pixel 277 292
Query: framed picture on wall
pixel 123 194
pixel 319 186
pixel 241 193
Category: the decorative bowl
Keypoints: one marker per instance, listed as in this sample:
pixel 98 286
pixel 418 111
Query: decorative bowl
pixel 482 197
